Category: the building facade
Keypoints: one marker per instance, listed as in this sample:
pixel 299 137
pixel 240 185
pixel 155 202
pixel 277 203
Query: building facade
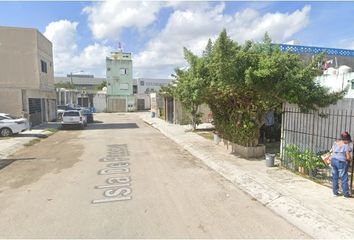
pixel 80 81
pixel 119 73
pixel 333 57
pixel 27 76
pixel 337 65
pixel 81 91
pixel 143 87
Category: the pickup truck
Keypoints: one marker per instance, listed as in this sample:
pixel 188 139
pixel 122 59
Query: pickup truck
pixel 74 118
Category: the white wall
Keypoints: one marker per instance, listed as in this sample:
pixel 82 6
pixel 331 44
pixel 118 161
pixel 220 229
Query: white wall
pixel 338 82
pixel 100 102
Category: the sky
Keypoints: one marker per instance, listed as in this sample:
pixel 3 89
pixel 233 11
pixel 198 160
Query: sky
pixel 84 33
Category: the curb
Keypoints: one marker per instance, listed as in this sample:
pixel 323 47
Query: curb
pixel 311 222
pixel 17 146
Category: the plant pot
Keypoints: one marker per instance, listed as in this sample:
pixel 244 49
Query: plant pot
pixel 216 138
pixel 249 152
pixel 270 160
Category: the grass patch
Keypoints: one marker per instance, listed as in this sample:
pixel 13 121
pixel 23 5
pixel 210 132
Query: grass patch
pixel 32 142
pixel 206 134
pixel 52 130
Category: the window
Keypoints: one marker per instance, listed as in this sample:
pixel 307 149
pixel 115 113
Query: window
pixel 43 66
pixel 124 71
pixel 71 114
pixel 141 83
pixel 124 86
pixel 108 69
pixel 135 89
pixel 352 84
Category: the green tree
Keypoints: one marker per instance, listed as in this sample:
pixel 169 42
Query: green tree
pixel 100 86
pixel 241 83
pixel 189 89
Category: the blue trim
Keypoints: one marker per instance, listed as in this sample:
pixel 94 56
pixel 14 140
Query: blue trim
pixel 315 50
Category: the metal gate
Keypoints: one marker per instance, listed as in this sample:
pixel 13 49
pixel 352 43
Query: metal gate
pixel 35 110
pixel 170 109
pixel 83 101
pixel 116 104
pixel 141 104
pixel 314 133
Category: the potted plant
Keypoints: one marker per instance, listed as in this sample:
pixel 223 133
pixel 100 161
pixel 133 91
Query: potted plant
pixel 312 162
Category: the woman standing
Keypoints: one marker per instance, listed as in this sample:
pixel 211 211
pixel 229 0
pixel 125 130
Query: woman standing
pixel 341 156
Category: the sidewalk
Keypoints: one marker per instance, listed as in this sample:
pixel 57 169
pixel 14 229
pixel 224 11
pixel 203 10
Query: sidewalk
pixel 306 204
pixel 10 145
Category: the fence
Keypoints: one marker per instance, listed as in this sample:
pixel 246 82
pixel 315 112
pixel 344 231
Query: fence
pixel 314 132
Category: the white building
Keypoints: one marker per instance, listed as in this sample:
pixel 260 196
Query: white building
pixel 143 87
pixel 338 79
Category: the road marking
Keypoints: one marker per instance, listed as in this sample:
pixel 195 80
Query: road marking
pixel 106 200
pixel 112 186
pixel 118 188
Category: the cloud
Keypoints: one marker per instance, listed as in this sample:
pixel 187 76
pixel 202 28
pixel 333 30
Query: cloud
pixel 63 35
pixel 250 24
pixel 189 24
pixel 192 27
pixel 107 19
pixel 292 42
pixel 345 43
pixel 67 57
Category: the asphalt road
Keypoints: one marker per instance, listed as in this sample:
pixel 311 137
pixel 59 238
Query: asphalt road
pixel 123 179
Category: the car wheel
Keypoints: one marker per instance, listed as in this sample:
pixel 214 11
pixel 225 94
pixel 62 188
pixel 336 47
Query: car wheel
pixel 5 132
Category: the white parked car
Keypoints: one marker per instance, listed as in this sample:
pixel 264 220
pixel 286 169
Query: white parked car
pixel 10 125
pixel 74 118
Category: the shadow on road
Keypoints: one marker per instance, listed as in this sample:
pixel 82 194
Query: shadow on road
pixel 6 162
pixel 104 126
pixel 24 135
pixel 47 125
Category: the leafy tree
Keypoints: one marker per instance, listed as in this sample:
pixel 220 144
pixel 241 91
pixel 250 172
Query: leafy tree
pixel 101 86
pixel 189 85
pixel 241 83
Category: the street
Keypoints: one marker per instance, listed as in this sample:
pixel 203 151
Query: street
pixel 121 178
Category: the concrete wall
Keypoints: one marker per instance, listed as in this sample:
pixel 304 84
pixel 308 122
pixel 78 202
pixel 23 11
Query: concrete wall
pixel 100 102
pixel 13 103
pixel 146 85
pixel 19 58
pixel 45 53
pixel 183 117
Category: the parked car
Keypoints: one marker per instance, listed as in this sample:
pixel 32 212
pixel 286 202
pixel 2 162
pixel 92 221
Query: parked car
pixel 61 109
pixel 88 114
pixel 74 118
pixel 10 125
